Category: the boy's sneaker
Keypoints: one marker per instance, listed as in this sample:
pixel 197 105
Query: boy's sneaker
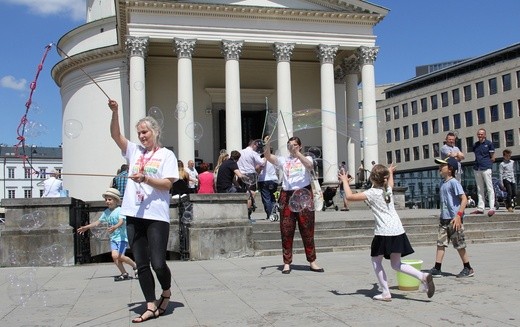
pixel 121 277
pixel 436 273
pixel 466 272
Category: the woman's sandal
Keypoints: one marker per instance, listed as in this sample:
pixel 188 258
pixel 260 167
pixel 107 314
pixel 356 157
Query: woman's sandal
pixel 159 305
pixel 141 319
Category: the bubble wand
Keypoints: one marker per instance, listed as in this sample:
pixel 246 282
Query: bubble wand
pixel 84 72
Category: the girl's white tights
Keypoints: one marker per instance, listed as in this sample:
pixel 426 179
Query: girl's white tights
pixel 397 265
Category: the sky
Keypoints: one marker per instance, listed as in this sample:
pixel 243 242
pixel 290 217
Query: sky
pixel 414 33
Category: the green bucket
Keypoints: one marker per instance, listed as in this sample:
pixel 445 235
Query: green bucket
pixel 406 282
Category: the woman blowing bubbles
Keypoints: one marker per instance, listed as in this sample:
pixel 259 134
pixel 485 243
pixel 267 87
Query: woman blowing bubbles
pixel 146 203
pixel 390 240
pixel 296 175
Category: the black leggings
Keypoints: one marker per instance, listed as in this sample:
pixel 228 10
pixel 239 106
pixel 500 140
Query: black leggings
pixel 148 241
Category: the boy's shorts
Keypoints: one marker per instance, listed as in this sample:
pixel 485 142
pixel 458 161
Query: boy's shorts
pixel 447 234
pixel 119 246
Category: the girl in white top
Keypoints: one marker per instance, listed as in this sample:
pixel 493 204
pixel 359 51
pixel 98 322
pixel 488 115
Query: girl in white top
pixel 146 203
pixel 390 240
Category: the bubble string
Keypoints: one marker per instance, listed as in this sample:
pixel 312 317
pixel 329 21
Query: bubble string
pixel 84 72
pixel 23 122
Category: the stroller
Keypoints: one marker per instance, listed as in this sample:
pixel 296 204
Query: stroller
pixel 500 194
pixel 328 198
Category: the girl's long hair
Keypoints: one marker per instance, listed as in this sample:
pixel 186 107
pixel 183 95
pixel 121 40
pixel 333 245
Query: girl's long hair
pixel 379 178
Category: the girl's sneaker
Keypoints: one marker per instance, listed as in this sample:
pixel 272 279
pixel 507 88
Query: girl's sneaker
pixel 121 277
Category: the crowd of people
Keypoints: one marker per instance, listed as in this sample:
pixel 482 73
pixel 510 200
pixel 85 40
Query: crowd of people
pixel 139 197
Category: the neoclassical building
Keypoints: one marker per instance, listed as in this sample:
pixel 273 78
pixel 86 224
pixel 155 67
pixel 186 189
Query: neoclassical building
pixel 217 74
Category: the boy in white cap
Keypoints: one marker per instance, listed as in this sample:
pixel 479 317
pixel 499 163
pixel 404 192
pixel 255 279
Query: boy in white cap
pixel 117 230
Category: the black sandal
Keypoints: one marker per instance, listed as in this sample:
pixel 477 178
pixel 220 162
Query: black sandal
pixel 153 316
pixel 159 305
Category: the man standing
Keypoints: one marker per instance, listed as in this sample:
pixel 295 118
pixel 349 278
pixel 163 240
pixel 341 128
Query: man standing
pixel 484 158
pixel 194 177
pixel 52 186
pixel 119 182
pixel 449 149
pixel 250 161
pixel 268 184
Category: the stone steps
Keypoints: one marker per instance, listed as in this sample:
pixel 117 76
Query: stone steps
pixel 337 234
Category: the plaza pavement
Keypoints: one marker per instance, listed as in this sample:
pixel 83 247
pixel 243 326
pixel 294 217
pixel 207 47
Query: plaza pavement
pixel 251 291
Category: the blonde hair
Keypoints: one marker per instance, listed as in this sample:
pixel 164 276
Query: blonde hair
pixel 153 126
pixel 379 178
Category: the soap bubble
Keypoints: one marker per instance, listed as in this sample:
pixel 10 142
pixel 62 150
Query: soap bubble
pixel 139 86
pixel 100 231
pixel 34 129
pixel 72 128
pixel 53 254
pixel 194 131
pixel 21 287
pixel 157 114
pixel 180 110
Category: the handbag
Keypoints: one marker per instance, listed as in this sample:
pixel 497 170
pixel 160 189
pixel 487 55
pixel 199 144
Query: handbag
pixel 317 192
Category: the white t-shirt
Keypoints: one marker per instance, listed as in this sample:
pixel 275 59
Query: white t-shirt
pixel 268 173
pixel 248 161
pixel 387 220
pixel 295 175
pixel 52 187
pixel 155 204
pixel 193 175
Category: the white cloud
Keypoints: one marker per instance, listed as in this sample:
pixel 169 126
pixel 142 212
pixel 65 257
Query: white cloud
pixel 75 9
pixel 10 82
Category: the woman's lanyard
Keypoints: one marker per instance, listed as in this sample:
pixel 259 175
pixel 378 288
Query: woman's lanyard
pixel 144 160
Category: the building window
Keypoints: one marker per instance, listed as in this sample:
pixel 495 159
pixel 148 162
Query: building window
pixel 458 143
pixel 434 101
pixel 414 107
pixel 492 85
pixel 388 136
pixel 444 99
pixel 506 82
pixel 468 115
pixel 397 134
pixel 467 93
pixel 406 132
pixel 396 112
pixel 426 151
pixel 508 110
pixel 435 126
pixel 415 130
pixel 518 78
pixel 405 109
pixel 388 157
pixel 41 193
pixel 455 95
pixel 509 136
pixel 415 153
pixel 397 156
pixel 456 121
pixel 436 152
pixel 481 116
pixel 493 111
pixel 407 154
pixel 424 105
pixel 27 194
pixel 445 123
pixel 495 138
pixel 424 128
pixel 11 194
pixel 27 173
pixel 480 89
pixel 387 114
pixel 469 144
pixel 10 173
pixel 43 173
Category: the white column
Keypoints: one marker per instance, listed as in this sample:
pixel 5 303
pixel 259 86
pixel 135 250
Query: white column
pixel 367 56
pixel 329 138
pixel 283 53
pixel 137 48
pixel 231 51
pixel 185 138
pixel 341 113
pixel 351 69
